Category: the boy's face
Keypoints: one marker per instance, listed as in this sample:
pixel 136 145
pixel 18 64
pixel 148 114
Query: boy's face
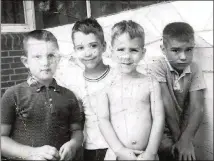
pixel 128 52
pixel 42 59
pixel 179 54
pixel 89 49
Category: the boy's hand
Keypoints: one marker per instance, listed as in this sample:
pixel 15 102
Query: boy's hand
pixel 67 151
pixel 146 156
pixel 127 154
pixel 184 150
pixel 45 152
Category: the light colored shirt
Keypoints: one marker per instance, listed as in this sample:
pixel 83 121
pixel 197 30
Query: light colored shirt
pixel 87 92
pixel 191 79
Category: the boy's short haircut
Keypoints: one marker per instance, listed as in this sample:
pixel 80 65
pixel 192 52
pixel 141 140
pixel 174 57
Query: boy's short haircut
pixel 43 35
pixel 132 28
pixel 87 26
pixel 180 31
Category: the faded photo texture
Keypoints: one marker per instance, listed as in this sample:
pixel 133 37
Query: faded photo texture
pixel 152 15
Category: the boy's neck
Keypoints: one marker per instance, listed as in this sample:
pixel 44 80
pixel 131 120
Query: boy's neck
pixel 178 71
pixel 95 72
pixel 46 83
pixel 132 74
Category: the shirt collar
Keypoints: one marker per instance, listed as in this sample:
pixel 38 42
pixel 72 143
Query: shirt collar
pixel 186 70
pixel 32 82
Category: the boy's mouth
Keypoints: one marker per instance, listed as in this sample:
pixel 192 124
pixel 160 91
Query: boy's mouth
pixel 126 63
pixel 46 70
pixel 182 64
pixel 89 59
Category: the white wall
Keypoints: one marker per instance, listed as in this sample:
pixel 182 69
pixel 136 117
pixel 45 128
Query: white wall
pixel 198 14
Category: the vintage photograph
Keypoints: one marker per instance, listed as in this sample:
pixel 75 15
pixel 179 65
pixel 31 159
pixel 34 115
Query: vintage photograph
pixel 89 80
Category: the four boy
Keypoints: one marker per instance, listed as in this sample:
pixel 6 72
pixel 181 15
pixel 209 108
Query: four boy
pixel 123 109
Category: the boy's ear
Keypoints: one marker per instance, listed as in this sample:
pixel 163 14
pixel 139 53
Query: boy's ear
pixel 143 53
pixel 74 48
pixel 24 61
pixel 104 46
pixel 163 49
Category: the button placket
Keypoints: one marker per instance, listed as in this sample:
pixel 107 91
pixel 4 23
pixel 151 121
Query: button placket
pixel 49 103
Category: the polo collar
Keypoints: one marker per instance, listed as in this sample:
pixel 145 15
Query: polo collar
pixel 32 82
pixel 187 70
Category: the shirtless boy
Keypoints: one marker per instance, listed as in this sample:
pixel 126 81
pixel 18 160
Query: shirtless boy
pixel 132 115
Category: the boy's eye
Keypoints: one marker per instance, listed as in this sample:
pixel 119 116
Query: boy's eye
pixel 133 50
pixel 38 56
pixel 93 45
pixel 120 49
pixel 175 50
pixel 79 48
pixel 189 49
pixel 51 55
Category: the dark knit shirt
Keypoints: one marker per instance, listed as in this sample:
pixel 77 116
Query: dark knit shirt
pixel 40 115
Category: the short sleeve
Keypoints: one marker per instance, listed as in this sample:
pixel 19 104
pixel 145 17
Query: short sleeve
pixel 157 70
pixel 197 81
pixel 77 111
pixel 8 106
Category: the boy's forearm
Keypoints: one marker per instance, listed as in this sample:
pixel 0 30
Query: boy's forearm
pixel 193 124
pixel 174 128
pixel 14 150
pixel 171 118
pixel 195 115
pixel 170 112
pixel 109 134
pixel 77 138
pixel 156 134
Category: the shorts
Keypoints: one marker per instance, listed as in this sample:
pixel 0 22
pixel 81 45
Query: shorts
pixel 94 155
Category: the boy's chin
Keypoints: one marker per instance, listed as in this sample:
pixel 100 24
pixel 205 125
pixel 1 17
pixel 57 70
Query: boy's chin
pixel 180 68
pixel 46 78
pixel 90 66
pixel 126 71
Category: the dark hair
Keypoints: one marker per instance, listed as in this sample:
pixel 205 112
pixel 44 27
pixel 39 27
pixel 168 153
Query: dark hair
pixel 132 28
pixel 180 31
pixel 39 35
pixel 87 26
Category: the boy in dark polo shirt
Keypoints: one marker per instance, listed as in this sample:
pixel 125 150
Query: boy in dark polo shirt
pixel 40 119
pixel 182 86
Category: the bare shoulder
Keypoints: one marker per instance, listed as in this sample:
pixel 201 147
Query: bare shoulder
pixel 148 79
pixel 148 82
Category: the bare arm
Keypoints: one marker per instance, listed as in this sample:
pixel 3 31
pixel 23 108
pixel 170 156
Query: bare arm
pixel 196 111
pixel 105 124
pixel 157 111
pixel 170 114
pixel 77 134
pixel 10 148
pixel 184 146
pixel 68 150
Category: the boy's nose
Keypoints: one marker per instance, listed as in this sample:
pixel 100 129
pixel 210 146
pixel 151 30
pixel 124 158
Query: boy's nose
pixel 88 53
pixel 182 56
pixel 45 61
pixel 126 55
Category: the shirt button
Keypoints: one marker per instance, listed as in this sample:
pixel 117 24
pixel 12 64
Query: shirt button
pixel 134 142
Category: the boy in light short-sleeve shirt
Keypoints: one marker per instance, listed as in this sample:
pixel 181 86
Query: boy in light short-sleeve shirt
pixel 182 84
pixel 89 45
